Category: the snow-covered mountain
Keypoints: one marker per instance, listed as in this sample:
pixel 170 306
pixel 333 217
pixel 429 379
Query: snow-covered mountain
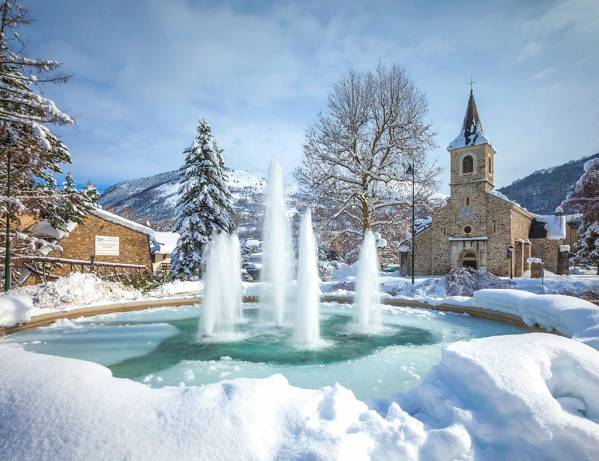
pixel 543 190
pixel 153 198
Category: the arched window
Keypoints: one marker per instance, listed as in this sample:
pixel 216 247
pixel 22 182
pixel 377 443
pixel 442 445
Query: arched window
pixel 490 165
pixel 468 164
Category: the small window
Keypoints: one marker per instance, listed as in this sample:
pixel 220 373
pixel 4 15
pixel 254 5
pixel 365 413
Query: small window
pixel 467 201
pixel 468 164
pixel 490 164
pixel 467 229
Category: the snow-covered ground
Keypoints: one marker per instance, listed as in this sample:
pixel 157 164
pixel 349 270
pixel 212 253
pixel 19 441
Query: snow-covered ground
pixel 530 396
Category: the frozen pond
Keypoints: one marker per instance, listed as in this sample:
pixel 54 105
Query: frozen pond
pixel 160 347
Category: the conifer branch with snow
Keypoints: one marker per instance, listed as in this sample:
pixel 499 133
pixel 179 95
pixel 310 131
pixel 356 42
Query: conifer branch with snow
pixel 35 152
pixel 204 204
pixel 585 198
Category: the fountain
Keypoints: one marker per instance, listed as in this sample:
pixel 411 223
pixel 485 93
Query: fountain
pixel 306 331
pixel 221 306
pixel 367 314
pixel 277 255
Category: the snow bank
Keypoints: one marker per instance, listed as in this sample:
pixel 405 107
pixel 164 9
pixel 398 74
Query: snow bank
pixel 573 317
pixel 529 396
pixel 543 385
pixel 76 290
pixel 14 310
pixel 177 287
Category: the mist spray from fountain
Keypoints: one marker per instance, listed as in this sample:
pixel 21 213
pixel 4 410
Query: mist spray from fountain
pixel 221 306
pixel 276 245
pixel 306 331
pixel 367 314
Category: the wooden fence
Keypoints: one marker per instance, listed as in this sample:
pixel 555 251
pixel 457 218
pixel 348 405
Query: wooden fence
pixel 41 269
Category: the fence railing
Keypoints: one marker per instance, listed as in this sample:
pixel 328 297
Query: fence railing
pixel 40 269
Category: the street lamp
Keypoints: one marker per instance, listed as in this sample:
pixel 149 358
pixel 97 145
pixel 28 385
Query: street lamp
pixel 410 170
pixel 510 255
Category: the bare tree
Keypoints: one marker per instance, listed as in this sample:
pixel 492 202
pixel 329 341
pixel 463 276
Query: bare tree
pixel 357 152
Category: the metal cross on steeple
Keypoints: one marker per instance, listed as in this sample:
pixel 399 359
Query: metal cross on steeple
pixel 471 82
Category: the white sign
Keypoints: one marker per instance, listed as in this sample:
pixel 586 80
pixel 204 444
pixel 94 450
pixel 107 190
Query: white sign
pixel 107 246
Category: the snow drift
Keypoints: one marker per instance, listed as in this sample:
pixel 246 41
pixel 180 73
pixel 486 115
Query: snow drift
pixel 14 310
pixel 530 396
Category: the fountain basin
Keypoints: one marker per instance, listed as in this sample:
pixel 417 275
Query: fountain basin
pixel 160 347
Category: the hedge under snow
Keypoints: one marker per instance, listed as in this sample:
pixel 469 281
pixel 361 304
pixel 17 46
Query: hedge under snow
pixel 529 396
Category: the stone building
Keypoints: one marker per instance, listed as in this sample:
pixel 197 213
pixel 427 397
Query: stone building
pixel 104 243
pixel 480 227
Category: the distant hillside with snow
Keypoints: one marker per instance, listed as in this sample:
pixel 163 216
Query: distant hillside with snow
pixel 543 190
pixel 153 198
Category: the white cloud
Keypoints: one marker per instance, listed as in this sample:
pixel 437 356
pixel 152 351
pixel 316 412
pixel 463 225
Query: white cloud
pixel 543 73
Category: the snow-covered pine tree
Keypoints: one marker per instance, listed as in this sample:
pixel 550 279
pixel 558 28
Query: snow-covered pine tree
pixel 74 205
pixel 92 194
pixel 33 152
pixel 204 206
pixel 585 198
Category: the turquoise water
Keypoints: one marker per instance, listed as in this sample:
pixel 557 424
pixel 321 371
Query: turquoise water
pixel 160 347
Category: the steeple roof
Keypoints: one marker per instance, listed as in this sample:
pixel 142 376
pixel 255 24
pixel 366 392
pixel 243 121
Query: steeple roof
pixel 472 132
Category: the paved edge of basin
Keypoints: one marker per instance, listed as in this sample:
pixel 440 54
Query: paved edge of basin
pixel 47 319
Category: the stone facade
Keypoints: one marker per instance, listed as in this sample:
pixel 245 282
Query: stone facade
pixel 134 246
pixel 477 227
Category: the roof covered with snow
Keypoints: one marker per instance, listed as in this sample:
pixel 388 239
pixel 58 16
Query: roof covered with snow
pixel 472 132
pixel 165 242
pixel 552 227
pixel 116 219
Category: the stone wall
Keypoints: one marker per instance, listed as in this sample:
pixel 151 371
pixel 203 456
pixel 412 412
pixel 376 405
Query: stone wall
pixel 548 251
pixel 134 247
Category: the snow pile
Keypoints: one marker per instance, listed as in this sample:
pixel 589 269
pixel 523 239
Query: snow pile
pixel 573 317
pixel 177 287
pixel 58 408
pixel 528 397
pixel 464 281
pixel 77 289
pixel 14 310
pixel 423 288
pixel 344 271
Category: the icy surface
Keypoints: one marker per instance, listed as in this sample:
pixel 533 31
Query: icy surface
pixel 545 386
pixel 14 310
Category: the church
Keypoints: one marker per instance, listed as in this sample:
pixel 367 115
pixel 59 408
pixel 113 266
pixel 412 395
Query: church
pixel 481 228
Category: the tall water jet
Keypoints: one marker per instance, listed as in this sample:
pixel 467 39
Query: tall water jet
pixel 306 331
pixel 276 245
pixel 221 306
pixel 367 314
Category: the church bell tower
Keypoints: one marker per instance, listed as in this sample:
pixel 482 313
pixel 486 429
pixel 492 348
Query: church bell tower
pixel 472 156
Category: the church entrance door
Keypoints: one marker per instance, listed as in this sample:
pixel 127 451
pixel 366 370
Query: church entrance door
pixel 469 260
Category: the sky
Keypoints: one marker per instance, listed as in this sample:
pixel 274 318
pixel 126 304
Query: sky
pixel 145 71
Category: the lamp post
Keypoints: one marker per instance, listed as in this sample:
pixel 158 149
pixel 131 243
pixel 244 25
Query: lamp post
pixel 410 170
pixel 510 253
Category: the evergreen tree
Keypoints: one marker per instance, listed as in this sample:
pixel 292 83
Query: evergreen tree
pixel 585 198
pixel 92 194
pixel 204 206
pixel 33 151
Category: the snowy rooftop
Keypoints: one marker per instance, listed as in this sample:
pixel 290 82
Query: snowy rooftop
pixel 116 219
pixel 555 225
pixel 472 132
pixel 165 242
